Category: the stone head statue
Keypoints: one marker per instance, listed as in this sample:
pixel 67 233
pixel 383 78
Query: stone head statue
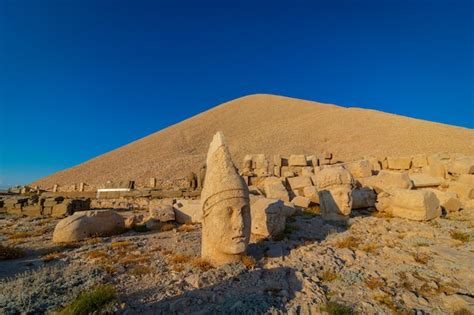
pixel 225 208
pixel 335 187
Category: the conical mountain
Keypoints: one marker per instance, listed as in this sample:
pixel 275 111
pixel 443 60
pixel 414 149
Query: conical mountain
pixel 268 124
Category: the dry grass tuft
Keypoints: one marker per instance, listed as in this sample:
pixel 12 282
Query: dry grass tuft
pixel 460 236
pixel 350 242
pixel 140 270
pixel 167 227
pixel 382 215
pixel 368 247
pixel 201 264
pixel 421 258
pixel 121 244
pixel 177 268
pixel 93 241
pixel 187 228
pixel 328 276
pixel 8 252
pixel 249 262
pixel 374 283
pixel 179 259
pixel 52 256
pixel 97 254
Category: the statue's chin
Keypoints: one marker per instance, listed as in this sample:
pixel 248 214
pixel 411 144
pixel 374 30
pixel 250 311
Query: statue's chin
pixel 235 248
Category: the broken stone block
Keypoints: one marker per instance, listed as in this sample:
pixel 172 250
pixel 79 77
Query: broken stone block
pixel 160 212
pixel 311 193
pixel 297 160
pixel 419 160
pixel 461 166
pixel 410 204
pixel 312 160
pixel 300 201
pixel 274 189
pixel 387 180
pixel 188 211
pixel 307 171
pixel 399 163
pixel 421 180
pixel 363 198
pixel 447 200
pixel 299 182
pixel 84 224
pixel 464 191
pixel 467 179
pixel 32 210
pixel 332 176
pixel 63 209
pixel 134 220
pixel 277 160
pixel 374 162
pixel 277 171
pixel 268 217
pixel 359 169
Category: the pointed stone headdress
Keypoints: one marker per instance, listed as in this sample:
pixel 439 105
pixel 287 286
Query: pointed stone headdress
pixel 222 180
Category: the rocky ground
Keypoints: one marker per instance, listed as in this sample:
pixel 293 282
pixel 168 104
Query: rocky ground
pixel 371 265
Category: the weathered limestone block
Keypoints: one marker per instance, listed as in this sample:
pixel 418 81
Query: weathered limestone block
pixel 274 189
pixel 409 204
pixel 387 180
pixel 363 198
pixel 359 169
pixel 268 217
pixel 188 211
pixel 299 182
pixel 419 160
pixel 312 160
pixel 62 209
pixel 467 179
pixel 277 171
pixel 461 166
pixel 421 180
pixel 32 210
pixel 464 191
pixel 307 171
pixel 161 212
pixel 399 163
pixel 311 193
pixel 84 224
pixel 297 160
pixel 134 220
pixel 447 200
pixel 225 208
pixel 374 162
pixel 277 160
pixel 300 201
pixel 335 193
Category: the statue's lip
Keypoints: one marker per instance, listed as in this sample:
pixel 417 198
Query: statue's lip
pixel 240 237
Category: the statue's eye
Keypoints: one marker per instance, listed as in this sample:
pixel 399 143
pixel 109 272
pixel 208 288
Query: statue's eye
pixel 229 210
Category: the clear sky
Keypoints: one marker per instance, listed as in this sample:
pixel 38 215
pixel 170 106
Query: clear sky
pixel 80 78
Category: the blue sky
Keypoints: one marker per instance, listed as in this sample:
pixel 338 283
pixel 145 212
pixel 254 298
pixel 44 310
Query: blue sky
pixel 80 78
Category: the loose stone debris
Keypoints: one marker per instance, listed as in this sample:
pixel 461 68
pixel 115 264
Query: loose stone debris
pixel 284 234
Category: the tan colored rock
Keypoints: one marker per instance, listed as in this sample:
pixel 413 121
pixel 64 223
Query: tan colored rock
pixel 361 168
pixel 300 201
pixel 85 224
pixel 467 179
pixel 417 205
pixel 386 180
pixel 274 189
pixel 334 187
pixel 307 171
pixel 464 191
pixel 134 220
pixel 225 208
pixel 374 162
pixel 188 211
pixel 419 160
pixel 421 180
pixel 311 193
pixel 161 212
pixel 461 166
pixel 399 163
pixel 299 182
pixel 447 200
pixel 297 160
pixel 268 217
pixel 363 198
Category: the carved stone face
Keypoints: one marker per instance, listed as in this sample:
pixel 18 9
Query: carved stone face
pixel 230 224
pixel 342 196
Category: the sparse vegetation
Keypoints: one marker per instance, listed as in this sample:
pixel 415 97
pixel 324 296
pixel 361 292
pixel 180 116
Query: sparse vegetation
pixel 460 236
pixel 421 258
pixel 186 228
pixel 179 258
pixel 350 242
pixel 368 247
pixel 249 262
pixel 140 270
pixel 336 308
pixel 201 264
pixel 374 283
pixel 8 252
pixel 121 244
pixel 167 227
pixel 328 276
pixel 52 256
pixel 95 254
pixel 90 301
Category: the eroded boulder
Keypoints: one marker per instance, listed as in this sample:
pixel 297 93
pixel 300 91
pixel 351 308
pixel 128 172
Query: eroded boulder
pixel 268 217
